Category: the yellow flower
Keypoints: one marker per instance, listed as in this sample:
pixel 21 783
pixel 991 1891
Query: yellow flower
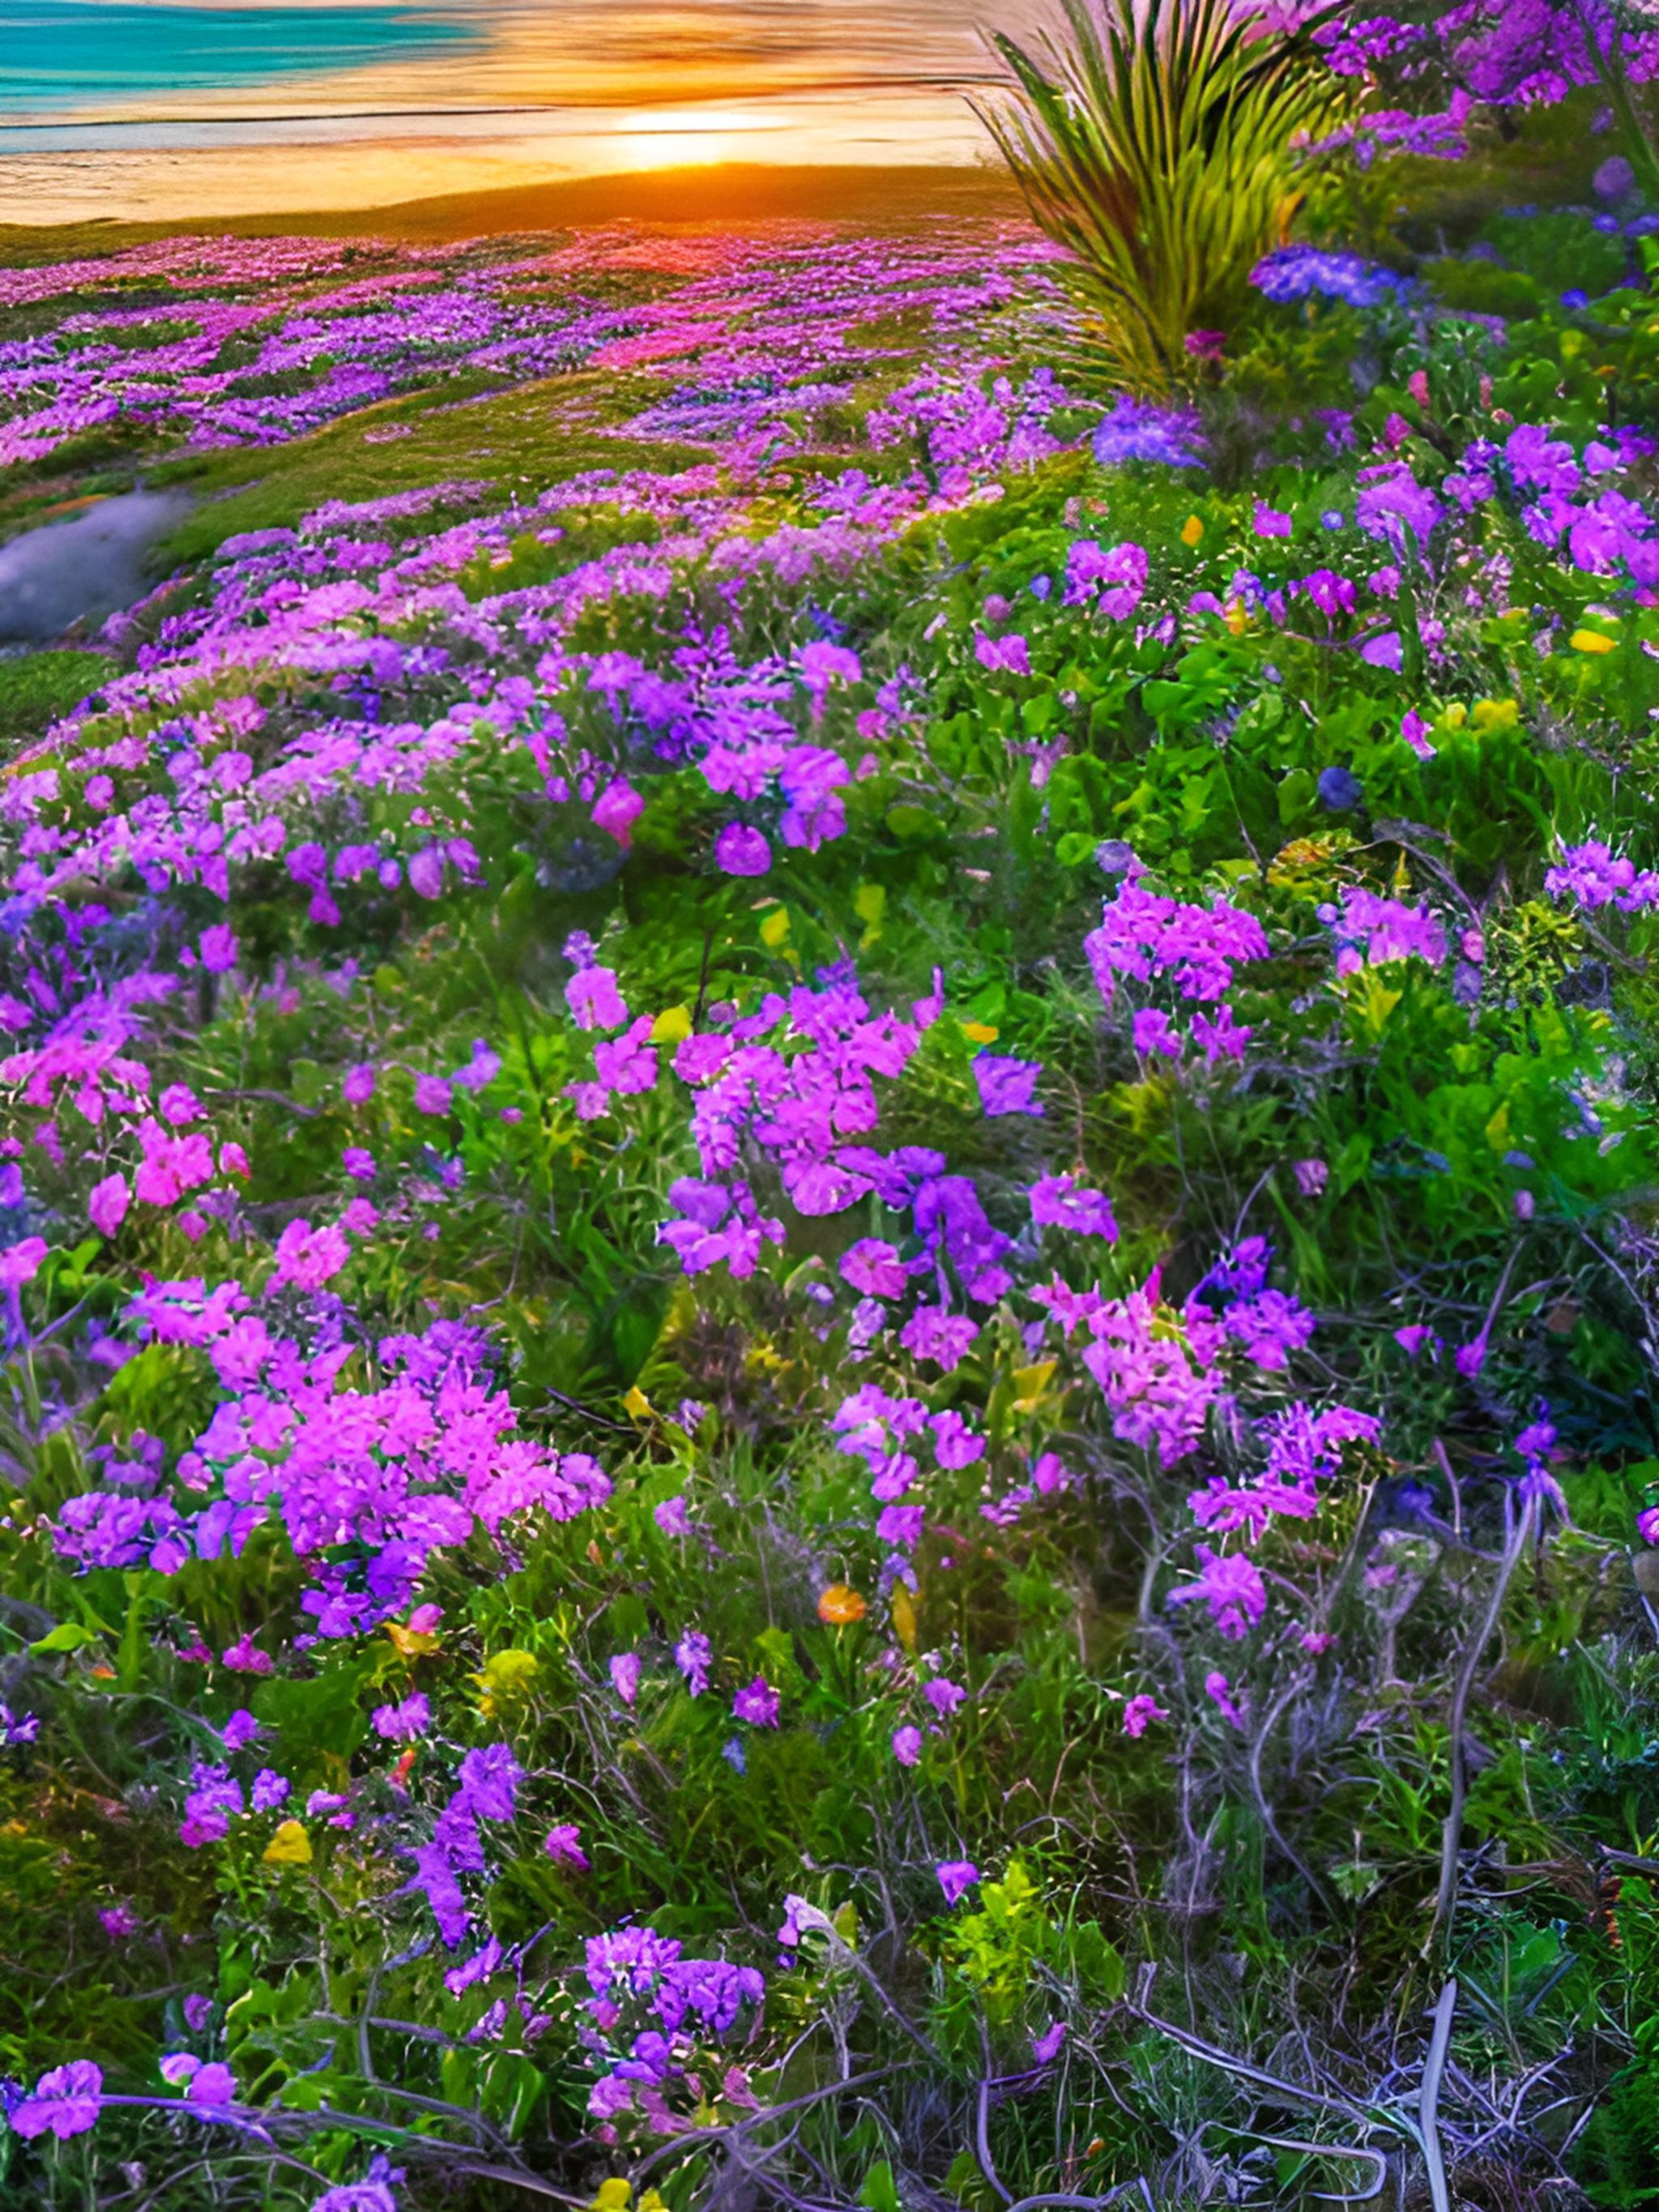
pixel 617 2194
pixel 1031 1382
pixel 1496 714
pixel 507 1674
pixel 1591 641
pixel 289 1846
pixel 1192 530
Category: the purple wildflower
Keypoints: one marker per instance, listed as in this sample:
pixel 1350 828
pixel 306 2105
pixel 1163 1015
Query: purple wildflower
pixel 757 1703
pixel 63 2103
pixel 563 1846
pixel 741 851
pixel 1007 1085
pixel 955 1878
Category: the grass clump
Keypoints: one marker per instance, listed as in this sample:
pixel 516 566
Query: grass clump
pixel 1162 150
pixel 39 688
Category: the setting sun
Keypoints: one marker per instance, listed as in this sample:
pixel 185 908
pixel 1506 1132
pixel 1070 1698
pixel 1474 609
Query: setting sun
pixel 685 138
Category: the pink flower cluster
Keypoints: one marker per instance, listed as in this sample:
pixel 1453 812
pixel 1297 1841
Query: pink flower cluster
pixel 376 1477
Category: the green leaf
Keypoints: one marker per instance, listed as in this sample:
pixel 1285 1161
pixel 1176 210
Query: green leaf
pixel 880 2190
pixel 1099 1963
pixel 134 1645
pixel 67 1636
pixel 1296 795
pixel 321 1714
pixel 510 2091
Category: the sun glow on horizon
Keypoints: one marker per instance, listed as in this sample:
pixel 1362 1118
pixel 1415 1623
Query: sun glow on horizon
pixel 688 137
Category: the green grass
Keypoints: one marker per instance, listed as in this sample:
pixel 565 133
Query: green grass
pixel 36 688
pixel 521 439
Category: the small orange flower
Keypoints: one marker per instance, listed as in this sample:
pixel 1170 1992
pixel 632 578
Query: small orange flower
pixel 840 1605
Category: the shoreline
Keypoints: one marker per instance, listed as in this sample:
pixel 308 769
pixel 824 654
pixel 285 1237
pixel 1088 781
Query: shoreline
pixel 882 196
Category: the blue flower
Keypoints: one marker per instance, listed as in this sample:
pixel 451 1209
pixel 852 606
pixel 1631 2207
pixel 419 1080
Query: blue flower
pixel 1302 272
pixel 1136 432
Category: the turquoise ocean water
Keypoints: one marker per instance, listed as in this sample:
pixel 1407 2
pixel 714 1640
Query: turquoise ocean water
pixel 88 56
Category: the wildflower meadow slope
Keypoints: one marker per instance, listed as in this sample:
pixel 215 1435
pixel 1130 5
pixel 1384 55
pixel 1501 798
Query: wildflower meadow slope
pixel 827 1228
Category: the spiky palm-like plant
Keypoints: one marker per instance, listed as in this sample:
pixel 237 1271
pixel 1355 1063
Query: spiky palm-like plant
pixel 1160 149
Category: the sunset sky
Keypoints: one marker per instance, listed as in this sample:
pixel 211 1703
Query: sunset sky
pixel 124 106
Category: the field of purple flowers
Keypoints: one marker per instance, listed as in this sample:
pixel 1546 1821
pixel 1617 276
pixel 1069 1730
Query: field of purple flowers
pixel 827 1227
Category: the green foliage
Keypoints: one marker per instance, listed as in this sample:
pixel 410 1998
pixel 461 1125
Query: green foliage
pixel 1158 149
pixel 481 436
pixel 37 688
